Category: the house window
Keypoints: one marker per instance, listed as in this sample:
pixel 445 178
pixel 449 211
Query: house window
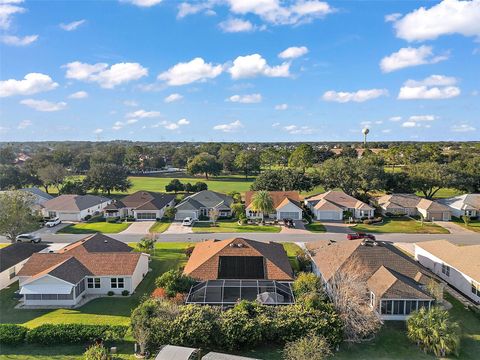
pixel 410 306
pixel 93 283
pixel 117 283
pixel 372 299
pixel 425 304
pixel 475 288
pixel 445 270
pixel 52 214
pixel 12 273
pixel 387 307
pixel 399 307
pixel 80 288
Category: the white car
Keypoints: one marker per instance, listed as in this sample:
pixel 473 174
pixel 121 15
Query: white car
pixel 33 238
pixel 53 222
pixel 188 221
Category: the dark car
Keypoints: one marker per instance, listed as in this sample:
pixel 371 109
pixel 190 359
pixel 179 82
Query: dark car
pixel 28 238
pixel 360 235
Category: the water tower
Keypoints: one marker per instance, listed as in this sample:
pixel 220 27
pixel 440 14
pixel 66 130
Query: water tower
pixel 365 132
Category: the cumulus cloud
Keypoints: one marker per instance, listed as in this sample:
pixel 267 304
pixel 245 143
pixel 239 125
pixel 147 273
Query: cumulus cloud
pixel 106 76
pixel 236 25
pixel 231 127
pixel 143 3
pixel 24 124
pixel 433 87
pixel 44 105
pixel 392 17
pixel 410 56
pixel 32 83
pixel 293 52
pixel 246 99
pixel 72 25
pixel 418 120
pixel 281 107
pixel 189 72
pixel 142 114
pixel 255 65
pixel 8 8
pixel 169 125
pixel 78 95
pixel 185 9
pixel 295 129
pixel 173 97
pixel 445 18
pixel 97 131
pixel 18 41
pixel 463 128
pixel 395 118
pixel 357 96
pixel 131 103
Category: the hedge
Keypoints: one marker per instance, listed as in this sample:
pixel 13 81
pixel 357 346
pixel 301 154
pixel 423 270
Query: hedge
pixel 48 334
pixel 12 334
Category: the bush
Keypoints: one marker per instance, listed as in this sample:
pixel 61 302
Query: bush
pixel 110 293
pixel 170 213
pixel 113 219
pixel 12 334
pixel 125 293
pixel 203 218
pixel 173 281
pixel 97 352
pixel 49 334
pixel 307 217
pixel 306 283
pixel 310 347
pixel 195 326
pixel 88 217
pixel 159 293
pixel 188 251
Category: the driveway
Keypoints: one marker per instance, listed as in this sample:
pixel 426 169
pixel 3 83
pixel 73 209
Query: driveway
pixel 138 228
pixel 298 229
pixel 336 227
pixel 178 228
pixel 51 230
pixel 453 227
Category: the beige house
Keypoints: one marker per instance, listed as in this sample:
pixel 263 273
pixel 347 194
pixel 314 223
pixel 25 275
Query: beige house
pixel 74 207
pixel 332 205
pixel 287 205
pixel 412 205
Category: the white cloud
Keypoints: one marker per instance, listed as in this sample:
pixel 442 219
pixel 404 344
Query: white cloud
pixel 392 17
pixel 172 125
pixel 231 127
pixel 98 131
pixel 281 107
pixel 107 77
pixel 422 118
pixel 131 103
pixel 293 52
pixel 189 72
pixel 185 9
pixel 142 114
pixel 409 124
pixel 358 96
pixel 183 122
pixel 236 25
pixel 24 124
pixel 255 65
pixel 173 97
pixel 44 105
pixel 143 3
pixel 386 131
pixel 72 26
pixel 295 130
pixel 433 87
pixel 32 83
pixel 8 8
pixel 277 124
pixel 395 118
pixel 445 18
pixel 18 41
pixel 417 120
pixel 118 125
pixel 409 56
pixel 246 99
pixel 78 95
pixel 463 128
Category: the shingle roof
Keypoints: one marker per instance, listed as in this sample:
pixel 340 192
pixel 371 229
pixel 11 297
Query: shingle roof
pixel 70 270
pixel 97 243
pixel 36 191
pixel 399 200
pixel 339 198
pixel 431 205
pixel 463 202
pixel 74 202
pixel 15 253
pixel 326 205
pixel 277 196
pixel 206 199
pixel 147 200
pixel 463 258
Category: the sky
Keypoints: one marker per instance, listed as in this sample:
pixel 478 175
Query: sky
pixel 239 70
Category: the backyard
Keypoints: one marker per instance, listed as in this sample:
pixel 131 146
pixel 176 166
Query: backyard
pixel 401 225
pixel 231 226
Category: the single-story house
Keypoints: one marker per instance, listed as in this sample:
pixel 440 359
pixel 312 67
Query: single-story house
pixel 13 257
pixel 412 205
pixel 396 284
pixel 74 207
pixel 234 269
pixel 332 205
pixel 432 210
pixel 94 265
pixel 201 203
pixel 287 205
pixel 39 196
pixel 142 205
pixel 459 266
pixel 467 204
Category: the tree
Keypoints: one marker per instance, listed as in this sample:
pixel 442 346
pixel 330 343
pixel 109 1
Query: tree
pixel 170 213
pixel 392 156
pixel 175 185
pixel 182 155
pixel 323 154
pixel 285 180
pixel 429 177
pixel 16 215
pixel 107 178
pixel 62 155
pixel 147 245
pixel 133 158
pixel 371 174
pixel 466 220
pixel 270 157
pixel 227 154
pixel 236 196
pixel 466 174
pixel 340 172
pixel 76 187
pixel 349 152
pixel 213 214
pixel 13 177
pixel 307 283
pixel 200 186
pixel 302 157
pixel 81 162
pixel 237 209
pixel 311 347
pixel 204 163
pixel 247 161
pixel 433 331
pixel 173 281
pixel 262 202
pixel 52 175
pixel 7 155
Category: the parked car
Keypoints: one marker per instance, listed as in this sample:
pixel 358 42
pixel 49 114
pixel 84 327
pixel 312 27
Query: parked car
pixel 28 238
pixel 188 221
pixel 288 223
pixel 360 235
pixel 53 222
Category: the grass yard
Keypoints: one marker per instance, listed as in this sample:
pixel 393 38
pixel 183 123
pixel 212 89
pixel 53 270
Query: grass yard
pixel 292 251
pixel 159 227
pixel 315 227
pixel 473 226
pixel 94 227
pixel 233 227
pixel 401 225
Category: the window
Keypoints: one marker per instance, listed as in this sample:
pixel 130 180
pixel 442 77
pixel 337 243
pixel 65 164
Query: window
pixel 93 283
pixel 475 288
pixel 372 299
pixel 399 307
pixel 12 273
pixel 410 306
pixel 80 288
pixel 146 216
pixel 422 303
pixel 446 270
pixel 52 214
pixel 387 307
pixel 117 283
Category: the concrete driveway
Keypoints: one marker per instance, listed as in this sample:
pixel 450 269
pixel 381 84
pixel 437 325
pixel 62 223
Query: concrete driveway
pixel 336 227
pixel 138 228
pixel 453 227
pixel 178 228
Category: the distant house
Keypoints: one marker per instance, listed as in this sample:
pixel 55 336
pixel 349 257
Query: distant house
pixel 396 284
pixel 40 197
pixel 201 203
pixel 467 204
pixel 332 205
pixel 74 207
pixel 432 210
pixel 13 257
pixel 286 204
pixel 142 205
pixel 459 266
pixel 234 269
pixel 412 205
pixel 94 265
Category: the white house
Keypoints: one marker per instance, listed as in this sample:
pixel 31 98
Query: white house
pixel 459 266
pixel 467 204
pixel 286 205
pixel 201 203
pixel 332 205
pixel 74 207
pixel 142 205
pixel 39 196
pixel 95 265
pixel 12 259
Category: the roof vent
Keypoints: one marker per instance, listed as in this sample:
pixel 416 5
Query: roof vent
pixel 105 241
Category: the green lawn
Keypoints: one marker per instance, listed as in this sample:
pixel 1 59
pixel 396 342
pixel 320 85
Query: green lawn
pixel 292 251
pixel 160 227
pixel 233 227
pixel 474 224
pixel 94 227
pixel 315 227
pixel 401 225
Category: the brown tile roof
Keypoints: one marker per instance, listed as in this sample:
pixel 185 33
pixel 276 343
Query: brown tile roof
pixel 278 197
pixel 340 199
pixel 465 259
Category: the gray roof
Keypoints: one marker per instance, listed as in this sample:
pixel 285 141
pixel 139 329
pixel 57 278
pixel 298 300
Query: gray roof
pixel 37 192
pixel 74 202
pixel 171 352
pixel 15 253
pixel 71 270
pixel 219 356
pixel 143 200
pixel 206 199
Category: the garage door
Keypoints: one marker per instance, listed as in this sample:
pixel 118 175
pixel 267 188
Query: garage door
pixel 146 216
pixel 290 215
pixel 181 215
pixel 329 215
pixel 68 216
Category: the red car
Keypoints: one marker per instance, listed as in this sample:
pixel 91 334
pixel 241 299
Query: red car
pixel 360 235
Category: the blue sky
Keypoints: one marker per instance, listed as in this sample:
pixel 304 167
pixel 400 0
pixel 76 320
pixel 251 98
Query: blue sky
pixel 239 70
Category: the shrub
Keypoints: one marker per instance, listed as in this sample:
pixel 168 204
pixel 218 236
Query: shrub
pixel 159 293
pixel 110 293
pixel 195 326
pixel 96 352
pixel 170 213
pixel 310 347
pixel 307 217
pixel 306 283
pixel 12 334
pixel 113 219
pixel 88 217
pixel 173 281
pixel 125 293
pixel 203 218
pixel 189 250
pixel 200 186
pixel 49 334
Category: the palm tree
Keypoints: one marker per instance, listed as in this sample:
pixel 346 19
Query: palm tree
pixel 433 331
pixel 262 202
pixel 146 245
